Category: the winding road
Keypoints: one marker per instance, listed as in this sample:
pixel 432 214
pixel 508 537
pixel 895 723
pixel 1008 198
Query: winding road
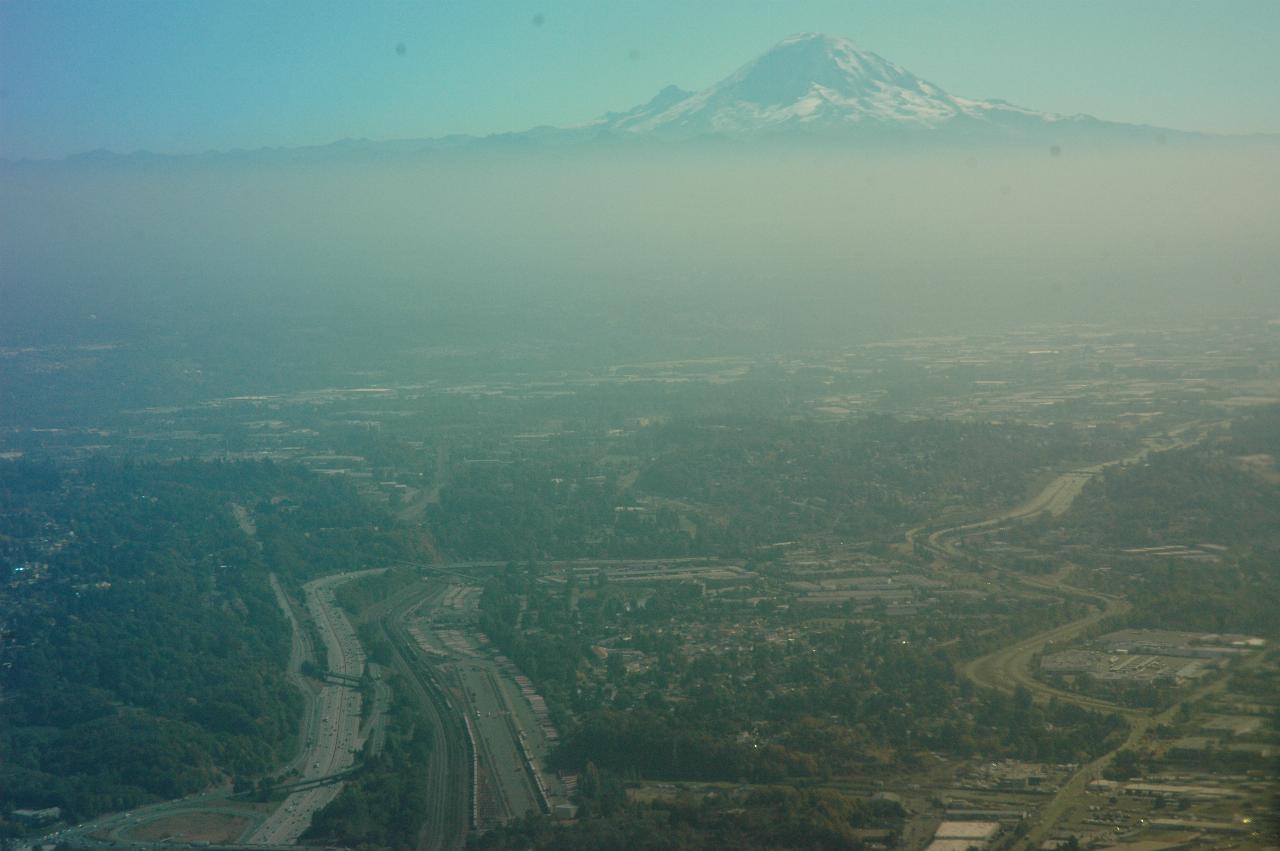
pixel 1056 497
pixel 1010 667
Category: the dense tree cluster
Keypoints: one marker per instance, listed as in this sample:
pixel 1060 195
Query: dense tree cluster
pixel 838 698
pixel 769 817
pixel 722 487
pixel 381 807
pixel 145 650
pixel 1205 493
pixel 1187 497
pixel 775 481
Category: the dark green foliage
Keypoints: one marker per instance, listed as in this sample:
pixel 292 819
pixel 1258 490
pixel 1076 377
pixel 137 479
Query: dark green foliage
pixel 1202 494
pixel 1237 596
pixel 355 595
pixel 381 807
pixel 835 700
pixel 723 487
pixel 1257 434
pixel 107 764
pixel 778 481
pixel 145 660
pixel 811 728
pixel 1205 493
pixel 1126 765
pixel 772 817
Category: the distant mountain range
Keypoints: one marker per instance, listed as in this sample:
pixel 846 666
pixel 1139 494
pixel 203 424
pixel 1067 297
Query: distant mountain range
pixel 809 87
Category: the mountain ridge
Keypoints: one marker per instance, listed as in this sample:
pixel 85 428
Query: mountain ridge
pixel 807 87
pixel 815 82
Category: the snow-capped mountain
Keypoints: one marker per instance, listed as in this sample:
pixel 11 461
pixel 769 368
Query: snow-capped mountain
pixel 821 85
pixel 808 86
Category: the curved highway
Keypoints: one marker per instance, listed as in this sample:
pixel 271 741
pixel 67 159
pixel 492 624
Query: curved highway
pixel 334 746
pixel 1057 496
pixel 1010 667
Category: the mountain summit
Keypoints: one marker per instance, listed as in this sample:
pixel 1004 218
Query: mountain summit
pixel 807 86
pixel 816 84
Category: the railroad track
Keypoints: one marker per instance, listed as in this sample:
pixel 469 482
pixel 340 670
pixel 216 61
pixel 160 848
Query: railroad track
pixel 449 780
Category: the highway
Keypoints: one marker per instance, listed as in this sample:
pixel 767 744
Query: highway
pixel 329 740
pixel 1140 722
pixel 331 736
pixel 1010 667
pixel 335 719
pixel 299 650
pixel 1056 497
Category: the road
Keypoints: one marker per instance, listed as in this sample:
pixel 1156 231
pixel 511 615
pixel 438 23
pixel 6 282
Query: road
pixel 1010 667
pixel 1056 497
pixel 1140 723
pixel 85 834
pixel 299 650
pixel 335 719
pixel 329 735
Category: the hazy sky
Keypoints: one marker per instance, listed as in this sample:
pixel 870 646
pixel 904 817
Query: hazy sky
pixel 174 75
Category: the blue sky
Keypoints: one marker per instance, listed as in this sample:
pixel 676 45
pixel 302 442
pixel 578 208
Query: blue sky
pixel 180 76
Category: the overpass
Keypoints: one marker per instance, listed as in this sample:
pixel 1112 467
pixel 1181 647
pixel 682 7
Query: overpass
pixel 341 679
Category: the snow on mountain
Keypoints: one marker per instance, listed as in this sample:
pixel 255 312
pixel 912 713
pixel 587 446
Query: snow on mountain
pixel 807 86
pixel 814 83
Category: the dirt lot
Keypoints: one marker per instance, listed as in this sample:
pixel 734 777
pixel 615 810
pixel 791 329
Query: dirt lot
pixel 192 827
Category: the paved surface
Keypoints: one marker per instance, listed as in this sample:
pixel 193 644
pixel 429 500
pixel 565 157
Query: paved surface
pixel 1074 789
pixel 1009 667
pixel 509 791
pixel 336 719
pixel 299 651
pixel 1056 497
pixel 511 746
pixel 323 742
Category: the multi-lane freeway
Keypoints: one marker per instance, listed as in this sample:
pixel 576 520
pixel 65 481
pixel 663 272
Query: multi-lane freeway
pixel 331 739
pixel 1056 497
pixel 1010 667
pixel 335 719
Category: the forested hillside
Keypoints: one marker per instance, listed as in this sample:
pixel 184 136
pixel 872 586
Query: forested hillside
pixel 725 487
pixel 143 648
